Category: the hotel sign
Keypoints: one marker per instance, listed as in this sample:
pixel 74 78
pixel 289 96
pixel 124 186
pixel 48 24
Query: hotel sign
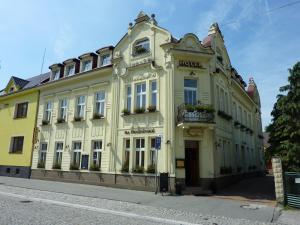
pixel 190 64
pixel 140 131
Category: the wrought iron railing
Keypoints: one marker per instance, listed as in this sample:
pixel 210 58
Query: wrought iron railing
pixel 199 113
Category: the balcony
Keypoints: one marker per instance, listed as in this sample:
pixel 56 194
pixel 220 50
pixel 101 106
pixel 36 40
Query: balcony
pixel 195 114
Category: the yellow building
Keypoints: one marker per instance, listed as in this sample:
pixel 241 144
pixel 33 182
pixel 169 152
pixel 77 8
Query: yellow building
pixel 18 108
pixel 100 113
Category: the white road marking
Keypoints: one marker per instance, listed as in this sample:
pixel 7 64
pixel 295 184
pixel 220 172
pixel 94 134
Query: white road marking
pixel 101 210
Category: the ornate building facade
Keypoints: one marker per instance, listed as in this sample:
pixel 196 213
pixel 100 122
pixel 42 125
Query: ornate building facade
pixel 99 114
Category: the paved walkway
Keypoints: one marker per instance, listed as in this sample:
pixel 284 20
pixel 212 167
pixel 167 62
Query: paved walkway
pixel 255 190
pixel 213 206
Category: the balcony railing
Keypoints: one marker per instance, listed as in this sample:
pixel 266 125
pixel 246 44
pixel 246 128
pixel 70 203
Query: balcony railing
pixel 195 113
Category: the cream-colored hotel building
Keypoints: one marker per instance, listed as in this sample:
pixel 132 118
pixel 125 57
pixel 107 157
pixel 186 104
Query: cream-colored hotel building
pixel 99 114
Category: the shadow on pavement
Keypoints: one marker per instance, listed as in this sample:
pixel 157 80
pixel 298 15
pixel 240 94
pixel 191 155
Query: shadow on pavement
pixel 256 189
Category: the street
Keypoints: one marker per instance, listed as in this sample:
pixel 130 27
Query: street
pixel 32 202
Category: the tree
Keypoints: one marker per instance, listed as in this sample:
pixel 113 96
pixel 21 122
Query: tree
pixel 285 126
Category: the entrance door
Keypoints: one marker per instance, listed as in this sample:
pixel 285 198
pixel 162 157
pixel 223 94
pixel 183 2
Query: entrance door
pixel 192 163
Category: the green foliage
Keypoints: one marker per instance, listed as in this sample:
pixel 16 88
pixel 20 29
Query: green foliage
pixel 125 112
pixel 285 127
pixel 138 169
pixel 94 167
pixel 151 168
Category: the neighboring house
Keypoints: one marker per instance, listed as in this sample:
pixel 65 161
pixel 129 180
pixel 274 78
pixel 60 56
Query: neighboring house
pixel 18 108
pixel 99 114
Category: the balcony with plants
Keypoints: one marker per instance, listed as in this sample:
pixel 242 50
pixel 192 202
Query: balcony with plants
pixel 199 113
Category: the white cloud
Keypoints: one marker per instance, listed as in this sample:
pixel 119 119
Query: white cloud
pixel 63 41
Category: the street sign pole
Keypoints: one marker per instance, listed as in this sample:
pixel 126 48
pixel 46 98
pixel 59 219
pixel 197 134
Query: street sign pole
pixel 157 147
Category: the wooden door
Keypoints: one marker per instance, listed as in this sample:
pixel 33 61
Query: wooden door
pixel 192 164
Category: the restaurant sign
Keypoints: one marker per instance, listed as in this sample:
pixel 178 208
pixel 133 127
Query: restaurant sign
pixel 140 131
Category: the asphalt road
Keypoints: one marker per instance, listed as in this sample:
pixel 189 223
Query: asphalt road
pixel 28 205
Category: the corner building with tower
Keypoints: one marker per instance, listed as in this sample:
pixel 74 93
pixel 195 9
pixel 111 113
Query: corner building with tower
pixel 99 114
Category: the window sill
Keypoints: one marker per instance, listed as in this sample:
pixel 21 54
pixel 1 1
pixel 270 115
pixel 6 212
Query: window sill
pixel 18 153
pixel 78 121
pixel 19 118
pixel 61 123
pixel 141 55
pixel 132 114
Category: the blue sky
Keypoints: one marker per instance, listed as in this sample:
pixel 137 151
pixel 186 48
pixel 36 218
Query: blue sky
pixel 262 43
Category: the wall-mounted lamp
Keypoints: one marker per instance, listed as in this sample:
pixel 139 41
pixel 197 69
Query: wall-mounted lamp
pixel 168 142
pixel 108 144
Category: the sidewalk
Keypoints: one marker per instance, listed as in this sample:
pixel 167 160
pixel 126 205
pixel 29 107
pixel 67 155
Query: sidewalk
pixel 201 205
pixel 289 217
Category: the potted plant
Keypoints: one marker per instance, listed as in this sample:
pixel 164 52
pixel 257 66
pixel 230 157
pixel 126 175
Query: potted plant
pixel 152 108
pixel 61 120
pixel 74 166
pixel 78 118
pixel 94 167
pixel 139 110
pixel 97 116
pixel 138 169
pixel 189 108
pixel 205 108
pixel 151 168
pixel 125 168
pixel 56 166
pixel 140 50
pixel 45 122
pixel 125 112
pixel 41 165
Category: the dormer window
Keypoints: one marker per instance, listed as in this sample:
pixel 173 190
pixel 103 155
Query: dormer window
pixel 70 70
pixel 105 60
pixel 11 90
pixel 55 75
pixel 141 47
pixel 86 65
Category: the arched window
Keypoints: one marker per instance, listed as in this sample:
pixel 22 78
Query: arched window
pixel 141 47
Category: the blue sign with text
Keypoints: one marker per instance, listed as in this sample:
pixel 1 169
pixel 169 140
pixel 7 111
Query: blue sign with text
pixel 157 142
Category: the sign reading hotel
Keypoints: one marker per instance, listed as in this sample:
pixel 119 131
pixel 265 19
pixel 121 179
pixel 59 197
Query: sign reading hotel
pixel 190 64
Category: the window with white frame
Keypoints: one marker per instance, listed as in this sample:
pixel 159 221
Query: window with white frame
pixel 70 70
pixel 127 153
pixel 42 155
pixel 63 109
pixel 141 96
pixel 76 157
pixel 58 154
pixel 190 91
pixel 128 98
pixel 152 152
pixel 139 152
pixel 105 60
pixel 86 65
pixel 100 103
pixel 141 47
pixel 48 111
pixel 80 107
pixel 55 74
pixel 154 93
pixel 97 153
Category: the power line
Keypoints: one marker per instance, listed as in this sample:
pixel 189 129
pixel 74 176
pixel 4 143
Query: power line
pixel 267 12
pixel 43 61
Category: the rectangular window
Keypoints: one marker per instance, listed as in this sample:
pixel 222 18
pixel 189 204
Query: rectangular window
pixel 127 153
pixel 42 155
pixel 226 108
pixel 234 110
pixel 128 98
pixel 76 153
pixel 153 93
pixel 240 114
pixel 190 91
pixel 48 111
pixel 16 145
pixel 55 75
pixel 139 152
pixel 63 109
pixel 141 96
pixel 70 70
pixel 21 110
pixel 100 103
pixel 152 152
pixel 80 107
pixel 222 103
pixel 86 65
pixel 97 153
pixel 105 60
pixel 58 153
pixel 142 46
